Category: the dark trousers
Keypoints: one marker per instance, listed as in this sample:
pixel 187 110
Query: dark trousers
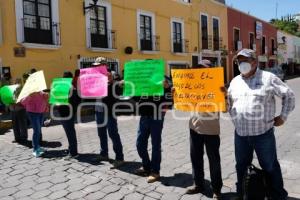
pixel 69 127
pixel 19 124
pixel 109 124
pixel 212 145
pixel 150 126
pixel 265 148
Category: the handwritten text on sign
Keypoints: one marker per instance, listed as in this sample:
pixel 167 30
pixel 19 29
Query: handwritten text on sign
pixel 199 90
pixel 35 83
pixel 144 78
pixel 93 82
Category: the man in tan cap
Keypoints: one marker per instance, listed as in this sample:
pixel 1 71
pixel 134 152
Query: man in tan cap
pixel 205 131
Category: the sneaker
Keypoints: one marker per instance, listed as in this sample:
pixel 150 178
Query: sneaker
pixel 142 172
pixel 194 190
pixel 217 195
pixel 118 163
pixel 41 150
pixel 153 177
pixel 37 154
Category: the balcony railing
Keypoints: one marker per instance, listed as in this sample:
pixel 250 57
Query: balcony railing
pixel 103 39
pixel 42 32
pixel 180 46
pixel 207 42
pixel 218 43
pixel 149 43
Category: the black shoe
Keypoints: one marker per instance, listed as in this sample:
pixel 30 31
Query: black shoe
pixel 217 195
pixel 194 190
pixel 142 172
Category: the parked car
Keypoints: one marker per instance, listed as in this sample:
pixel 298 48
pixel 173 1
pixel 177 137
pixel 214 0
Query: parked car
pixel 277 70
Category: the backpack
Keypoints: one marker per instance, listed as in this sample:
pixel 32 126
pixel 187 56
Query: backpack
pixel 256 184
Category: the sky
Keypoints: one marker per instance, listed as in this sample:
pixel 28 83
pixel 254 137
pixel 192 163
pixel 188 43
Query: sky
pixel 266 9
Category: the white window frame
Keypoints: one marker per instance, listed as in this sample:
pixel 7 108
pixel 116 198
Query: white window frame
pixel 212 26
pixel 20 29
pixel 181 21
pixel 266 44
pixel 171 62
pixel 107 5
pixel 149 14
pixel 250 40
pixel 200 30
pixel 236 28
pixel 82 58
pixel 184 2
pixel 271 38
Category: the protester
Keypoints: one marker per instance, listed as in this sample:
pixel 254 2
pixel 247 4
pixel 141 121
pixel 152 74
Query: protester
pixel 36 104
pixel 205 131
pixel 5 80
pixel 68 113
pixel 19 117
pixel 151 124
pixel 107 121
pixel 75 79
pixel 251 103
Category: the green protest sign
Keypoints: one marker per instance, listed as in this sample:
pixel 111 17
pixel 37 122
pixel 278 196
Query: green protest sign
pixel 60 91
pixel 144 78
pixel 7 94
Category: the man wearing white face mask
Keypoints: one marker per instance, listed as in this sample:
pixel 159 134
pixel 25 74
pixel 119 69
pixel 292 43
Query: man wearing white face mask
pixel 251 104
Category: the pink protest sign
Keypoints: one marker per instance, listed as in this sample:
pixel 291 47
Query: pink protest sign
pixel 93 82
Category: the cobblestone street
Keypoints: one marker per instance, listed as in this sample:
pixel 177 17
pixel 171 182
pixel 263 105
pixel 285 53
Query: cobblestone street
pixel 54 177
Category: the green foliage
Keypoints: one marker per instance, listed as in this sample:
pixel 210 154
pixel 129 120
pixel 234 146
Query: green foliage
pixel 287 24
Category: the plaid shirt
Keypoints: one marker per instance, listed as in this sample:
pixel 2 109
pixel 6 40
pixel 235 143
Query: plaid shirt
pixel 251 102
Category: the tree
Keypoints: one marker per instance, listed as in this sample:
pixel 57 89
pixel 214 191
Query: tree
pixel 287 24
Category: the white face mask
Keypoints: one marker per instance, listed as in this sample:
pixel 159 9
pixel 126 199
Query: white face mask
pixel 244 67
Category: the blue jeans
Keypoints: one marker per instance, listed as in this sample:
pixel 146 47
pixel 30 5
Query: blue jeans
pixel 112 127
pixel 36 120
pixel 265 148
pixel 150 126
pixel 69 127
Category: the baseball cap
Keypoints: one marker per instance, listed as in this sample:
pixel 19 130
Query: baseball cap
pixel 248 53
pixel 99 61
pixel 205 63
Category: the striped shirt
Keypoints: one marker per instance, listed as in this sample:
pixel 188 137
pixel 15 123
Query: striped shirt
pixel 251 102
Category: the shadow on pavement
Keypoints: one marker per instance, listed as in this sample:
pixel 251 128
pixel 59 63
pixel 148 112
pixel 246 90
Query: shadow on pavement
pixel 28 144
pixel 51 144
pixel 182 180
pixel 232 195
pixel 90 158
pixel 55 154
pixel 130 167
pixel 3 131
pixel 229 196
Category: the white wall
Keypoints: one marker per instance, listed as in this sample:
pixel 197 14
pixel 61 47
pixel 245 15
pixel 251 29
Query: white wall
pixel 285 51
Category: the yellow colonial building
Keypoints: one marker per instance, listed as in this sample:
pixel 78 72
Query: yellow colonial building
pixel 59 35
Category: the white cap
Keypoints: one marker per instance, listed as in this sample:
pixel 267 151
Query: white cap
pixel 205 63
pixel 248 53
pixel 99 61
